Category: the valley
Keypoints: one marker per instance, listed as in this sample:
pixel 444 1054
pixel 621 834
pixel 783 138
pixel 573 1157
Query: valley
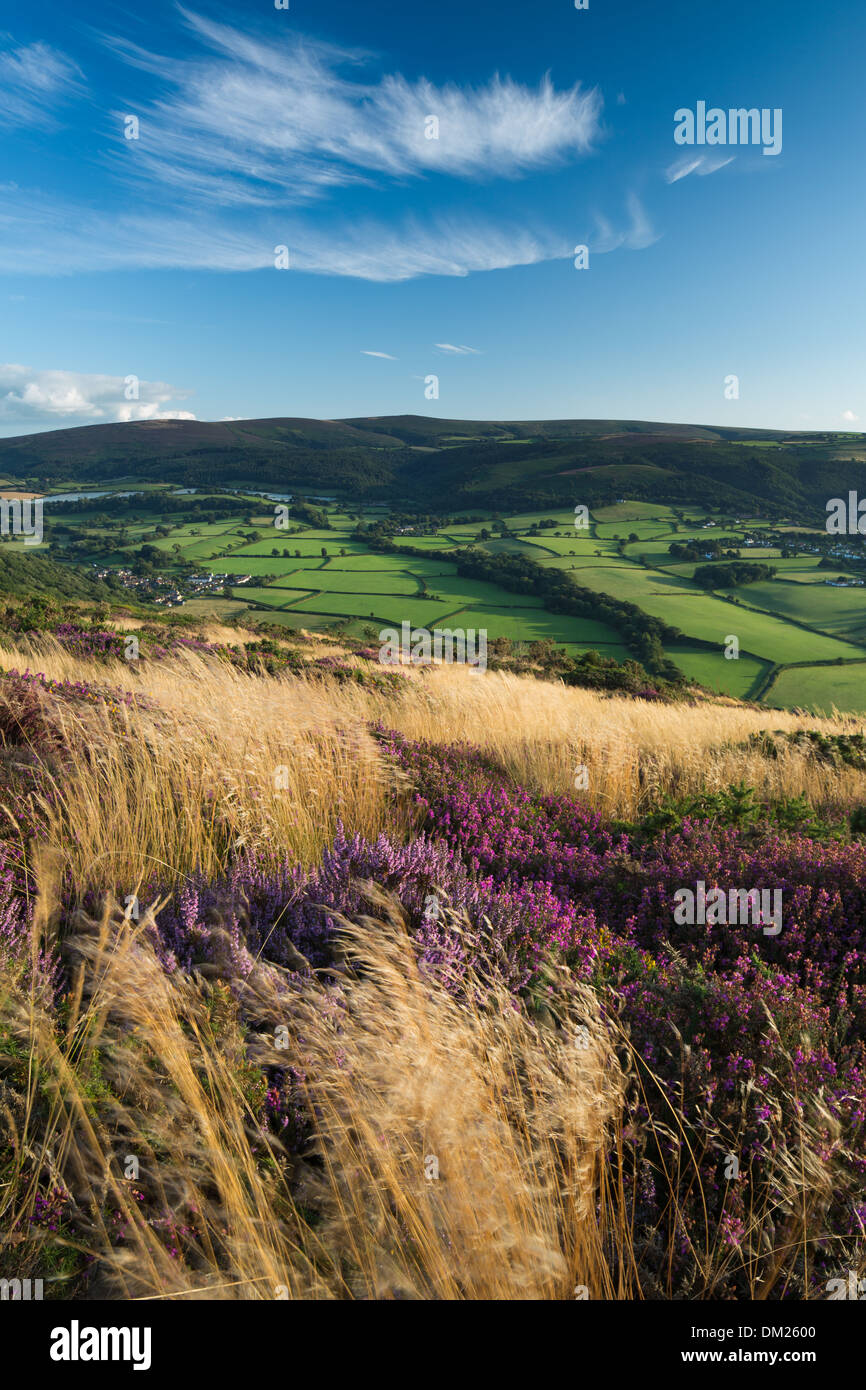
pixel 350 568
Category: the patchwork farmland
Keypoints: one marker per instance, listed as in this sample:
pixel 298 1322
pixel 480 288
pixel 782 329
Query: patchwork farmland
pixel 333 577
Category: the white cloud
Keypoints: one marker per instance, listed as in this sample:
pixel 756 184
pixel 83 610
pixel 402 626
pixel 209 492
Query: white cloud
pixel 850 416
pixel 32 395
pixel 387 355
pixel 363 250
pixel 247 125
pixel 34 78
pixel 701 164
pixel 460 351
pixel 374 252
pixel 635 237
pixel 264 121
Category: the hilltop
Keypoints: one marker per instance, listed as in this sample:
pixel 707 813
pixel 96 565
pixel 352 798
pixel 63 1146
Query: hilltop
pixel 424 461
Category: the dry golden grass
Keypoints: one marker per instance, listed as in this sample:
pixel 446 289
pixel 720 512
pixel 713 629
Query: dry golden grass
pixel 465 1149
pixel 519 1118
pixel 139 1072
pixel 225 762
pixel 461 1148
pixel 228 760
pixel 523 1125
pixel 634 750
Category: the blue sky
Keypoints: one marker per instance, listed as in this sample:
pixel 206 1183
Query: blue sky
pixel 154 258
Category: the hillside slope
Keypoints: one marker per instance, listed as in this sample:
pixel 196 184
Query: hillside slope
pixel 446 464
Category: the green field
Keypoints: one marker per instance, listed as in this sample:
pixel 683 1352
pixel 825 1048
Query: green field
pixel 305 545
pixel 535 625
pixel 375 607
pixel 715 671
pixel 633 511
pixel 345 582
pixel 648 530
pixel 841 612
pixel 273 597
pixel 233 564
pixel 365 562
pixel 700 614
pixel 793 618
pixel 820 689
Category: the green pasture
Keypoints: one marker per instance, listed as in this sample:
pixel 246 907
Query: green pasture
pixel 634 583
pixel 644 530
pixel 457 591
pixel 839 612
pixel 235 564
pixel 419 612
pixel 813 575
pixel 274 598
pixel 700 614
pixel 305 546
pixel 522 520
pixel 576 564
pixel 335 582
pixel 760 633
pixel 437 542
pixel 730 677
pixel 511 546
pixel 546 543
pixel 536 625
pixel 820 689
pixel 362 588
pixel 368 563
pixel 289 564
pixel 633 511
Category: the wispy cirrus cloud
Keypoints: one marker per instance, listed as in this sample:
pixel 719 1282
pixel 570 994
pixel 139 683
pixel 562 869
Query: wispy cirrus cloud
pixel 365 352
pixel 34 395
pixel 255 122
pixel 34 79
pixel 450 246
pixel 701 164
pixel 458 351
pixel 368 250
pixel 637 235
pixel 246 127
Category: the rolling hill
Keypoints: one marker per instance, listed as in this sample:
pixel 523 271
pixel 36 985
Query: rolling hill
pixel 422 462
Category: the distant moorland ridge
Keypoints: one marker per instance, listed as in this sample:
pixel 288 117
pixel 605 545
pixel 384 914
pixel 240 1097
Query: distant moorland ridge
pixel 431 462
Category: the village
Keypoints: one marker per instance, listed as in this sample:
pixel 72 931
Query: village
pixel 171 593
